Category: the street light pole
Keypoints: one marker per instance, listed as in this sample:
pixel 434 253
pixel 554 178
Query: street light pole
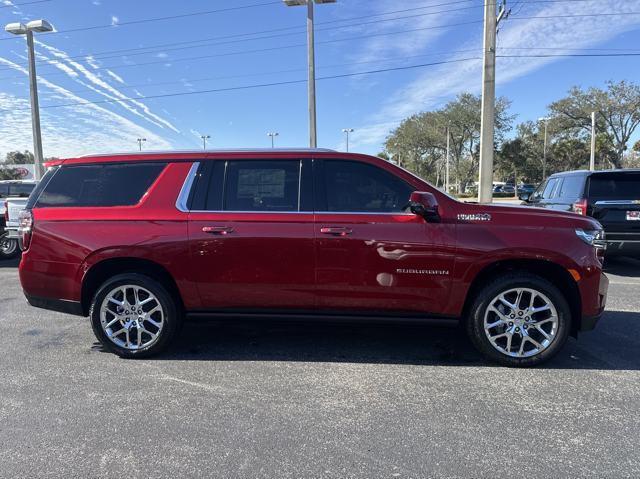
pixel 592 160
pixel 313 135
pixel 273 135
pixel 35 109
pixel 204 141
pixel 27 30
pixel 140 141
pixel 346 131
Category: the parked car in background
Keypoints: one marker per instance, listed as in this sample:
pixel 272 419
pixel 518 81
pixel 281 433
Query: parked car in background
pixel 525 190
pixel 610 196
pixel 137 242
pixel 13 197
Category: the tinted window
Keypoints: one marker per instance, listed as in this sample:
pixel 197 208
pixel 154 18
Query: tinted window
pixel 4 190
pixel 572 187
pixel 21 190
pixel 617 186
pixel 100 185
pixel 548 189
pixel 360 187
pixel 261 185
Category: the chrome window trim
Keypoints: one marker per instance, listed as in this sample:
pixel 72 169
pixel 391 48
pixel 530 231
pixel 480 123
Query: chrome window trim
pixel 183 197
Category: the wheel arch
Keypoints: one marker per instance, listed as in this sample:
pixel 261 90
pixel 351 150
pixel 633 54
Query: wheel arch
pixel 552 272
pixel 99 272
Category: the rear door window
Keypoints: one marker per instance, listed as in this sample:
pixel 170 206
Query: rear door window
pixel 120 184
pixel 4 190
pixel 615 186
pixel 572 188
pixel 262 185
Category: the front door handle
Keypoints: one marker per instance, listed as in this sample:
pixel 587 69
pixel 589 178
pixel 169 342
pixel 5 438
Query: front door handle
pixel 335 230
pixel 217 230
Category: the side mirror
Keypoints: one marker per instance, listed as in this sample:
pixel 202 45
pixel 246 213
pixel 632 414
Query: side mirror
pixel 424 204
pixel 525 197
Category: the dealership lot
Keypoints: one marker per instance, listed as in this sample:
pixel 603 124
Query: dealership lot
pixel 269 399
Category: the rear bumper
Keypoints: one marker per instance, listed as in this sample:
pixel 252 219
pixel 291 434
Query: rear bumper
pixel 59 305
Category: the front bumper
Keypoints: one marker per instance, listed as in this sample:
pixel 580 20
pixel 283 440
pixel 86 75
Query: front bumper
pixel 590 319
pixel 12 233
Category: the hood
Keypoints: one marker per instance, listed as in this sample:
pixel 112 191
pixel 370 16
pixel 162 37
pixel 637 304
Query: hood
pixel 523 215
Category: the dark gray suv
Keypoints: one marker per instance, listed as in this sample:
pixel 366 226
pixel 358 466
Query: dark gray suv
pixel 610 196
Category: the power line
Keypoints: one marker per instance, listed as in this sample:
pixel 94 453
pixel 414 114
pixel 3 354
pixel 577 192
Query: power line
pixel 262 85
pixel 158 19
pixel 545 55
pixel 212 41
pixel 262 50
pixel 576 15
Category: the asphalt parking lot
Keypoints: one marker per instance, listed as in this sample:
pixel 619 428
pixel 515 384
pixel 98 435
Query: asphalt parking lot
pixel 310 400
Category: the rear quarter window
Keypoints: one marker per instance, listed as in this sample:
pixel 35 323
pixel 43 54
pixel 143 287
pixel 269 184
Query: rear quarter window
pixel 572 187
pixel 615 186
pixel 120 184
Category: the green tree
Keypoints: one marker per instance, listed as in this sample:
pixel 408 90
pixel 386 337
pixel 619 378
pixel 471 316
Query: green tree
pixel 19 158
pixel 617 114
pixel 419 143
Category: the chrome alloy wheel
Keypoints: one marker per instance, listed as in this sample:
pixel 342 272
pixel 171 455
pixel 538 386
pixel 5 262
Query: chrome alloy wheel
pixel 132 317
pixel 521 322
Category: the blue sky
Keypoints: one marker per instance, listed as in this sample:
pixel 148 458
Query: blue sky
pixel 120 60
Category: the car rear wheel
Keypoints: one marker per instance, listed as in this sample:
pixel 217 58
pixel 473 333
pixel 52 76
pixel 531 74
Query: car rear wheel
pixel 8 248
pixel 519 320
pixel 134 316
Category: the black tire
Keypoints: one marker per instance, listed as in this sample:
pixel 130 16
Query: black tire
pixel 9 248
pixel 172 317
pixel 485 296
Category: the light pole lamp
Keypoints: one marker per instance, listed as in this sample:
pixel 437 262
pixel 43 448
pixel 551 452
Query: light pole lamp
pixel 313 135
pixel 140 142
pixel 273 134
pixel 204 141
pixel 346 131
pixel 40 26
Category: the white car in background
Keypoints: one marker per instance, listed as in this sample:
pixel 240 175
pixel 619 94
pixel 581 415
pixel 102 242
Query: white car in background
pixel 13 198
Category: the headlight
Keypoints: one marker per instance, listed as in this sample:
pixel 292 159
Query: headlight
pixel 595 238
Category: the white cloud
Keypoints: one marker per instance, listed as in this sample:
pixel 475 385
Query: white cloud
pixel 114 20
pixel 71 130
pixel 115 76
pixel 562 33
pixel 92 61
pixel 161 55
pixel 103 88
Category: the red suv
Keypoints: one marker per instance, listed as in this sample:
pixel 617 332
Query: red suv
pixel 139 242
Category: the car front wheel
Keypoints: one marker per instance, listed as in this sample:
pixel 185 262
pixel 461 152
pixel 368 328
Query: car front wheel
pixel 134 316
pixel 519 320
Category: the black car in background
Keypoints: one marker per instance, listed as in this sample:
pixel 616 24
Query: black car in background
pixel 611 196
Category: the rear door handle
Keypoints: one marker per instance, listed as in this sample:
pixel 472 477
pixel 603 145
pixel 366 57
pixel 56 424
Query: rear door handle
pixel 217 230
pixel 335 230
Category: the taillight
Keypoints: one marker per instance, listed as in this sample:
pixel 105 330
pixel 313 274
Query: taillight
pixel 25 228
pixel 580 207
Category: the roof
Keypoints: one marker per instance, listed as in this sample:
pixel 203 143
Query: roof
pixel 596 172
pixel 213 151
pixel 194 155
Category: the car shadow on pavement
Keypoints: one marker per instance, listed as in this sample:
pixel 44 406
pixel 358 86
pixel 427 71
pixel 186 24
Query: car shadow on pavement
pixel 622 266
pixel 612 346
pixel 10 263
